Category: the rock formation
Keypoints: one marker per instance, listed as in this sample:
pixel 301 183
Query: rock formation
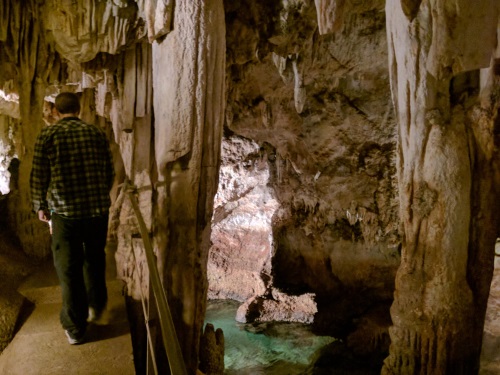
pixel 442 58
pixel 319 106
pixel 355 136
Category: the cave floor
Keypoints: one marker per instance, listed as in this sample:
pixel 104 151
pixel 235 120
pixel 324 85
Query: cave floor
pixel 40 345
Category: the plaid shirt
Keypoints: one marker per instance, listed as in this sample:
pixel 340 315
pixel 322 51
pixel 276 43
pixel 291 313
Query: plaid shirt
pixel 72 170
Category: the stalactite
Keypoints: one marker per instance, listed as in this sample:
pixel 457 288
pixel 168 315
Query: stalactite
pixel 5 8
pixel 158 14
pixel 103 95
pixel 83 28
pixel 330 15
pixel 279 62
pixel 279 173
pixel 300 94
pixel 144 76
pixel 129 91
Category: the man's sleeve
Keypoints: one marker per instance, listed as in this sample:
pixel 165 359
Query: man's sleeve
pixel 40 176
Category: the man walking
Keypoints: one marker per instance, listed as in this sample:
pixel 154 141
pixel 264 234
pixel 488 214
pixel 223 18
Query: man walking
pixel 70 182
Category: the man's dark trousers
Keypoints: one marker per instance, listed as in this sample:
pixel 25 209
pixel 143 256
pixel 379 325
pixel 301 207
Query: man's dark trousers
pixel 80 260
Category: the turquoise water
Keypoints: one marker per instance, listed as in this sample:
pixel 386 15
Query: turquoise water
pixel 263 348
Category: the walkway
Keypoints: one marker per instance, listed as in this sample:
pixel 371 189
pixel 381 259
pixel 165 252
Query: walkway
pixel 41 348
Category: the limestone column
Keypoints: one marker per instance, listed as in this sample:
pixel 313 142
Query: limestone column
pixel 446 169
pixel 188 85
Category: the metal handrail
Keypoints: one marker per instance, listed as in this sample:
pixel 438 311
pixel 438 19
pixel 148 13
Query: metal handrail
pixel 146 319
pixel 169 335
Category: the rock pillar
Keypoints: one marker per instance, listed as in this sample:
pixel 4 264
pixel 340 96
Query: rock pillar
pixel 447 167
pixel 188 83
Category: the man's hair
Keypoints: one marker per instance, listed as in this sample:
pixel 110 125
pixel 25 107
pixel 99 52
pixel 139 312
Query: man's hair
pixel 67 102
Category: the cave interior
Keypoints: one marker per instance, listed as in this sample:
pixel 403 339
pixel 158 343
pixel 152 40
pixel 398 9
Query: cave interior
pixel 330 162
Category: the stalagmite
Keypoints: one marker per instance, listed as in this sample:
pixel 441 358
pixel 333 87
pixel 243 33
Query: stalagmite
pixel 7 152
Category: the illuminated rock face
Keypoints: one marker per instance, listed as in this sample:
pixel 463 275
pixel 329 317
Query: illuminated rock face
pixel 362 130
pixel 242 240
pixel 321 110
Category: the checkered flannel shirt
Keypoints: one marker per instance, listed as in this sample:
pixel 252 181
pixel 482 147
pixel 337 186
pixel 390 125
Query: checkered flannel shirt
pixel 72 171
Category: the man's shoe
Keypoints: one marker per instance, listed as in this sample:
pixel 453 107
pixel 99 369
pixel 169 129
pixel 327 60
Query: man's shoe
pixel 94 315
pixel 74 340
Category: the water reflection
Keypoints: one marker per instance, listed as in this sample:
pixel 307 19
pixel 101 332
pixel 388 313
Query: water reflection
pixel 263 348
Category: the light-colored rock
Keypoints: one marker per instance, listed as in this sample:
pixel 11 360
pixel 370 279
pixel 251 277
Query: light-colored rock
pixel 278 307
pixel 188 70
pixel 84 28
pixel 446 171
pixel 158 17
pixel 330 15
pixel 8 143
pixel 242 240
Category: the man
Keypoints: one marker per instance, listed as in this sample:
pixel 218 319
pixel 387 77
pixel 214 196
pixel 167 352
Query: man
pixel 70 181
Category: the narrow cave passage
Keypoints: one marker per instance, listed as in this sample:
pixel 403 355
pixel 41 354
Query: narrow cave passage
pixel 31 338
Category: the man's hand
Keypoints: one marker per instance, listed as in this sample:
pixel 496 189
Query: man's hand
pixel 44 216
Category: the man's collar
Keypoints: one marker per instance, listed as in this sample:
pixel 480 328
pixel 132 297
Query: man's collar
pixel 72 117
pixel 67 115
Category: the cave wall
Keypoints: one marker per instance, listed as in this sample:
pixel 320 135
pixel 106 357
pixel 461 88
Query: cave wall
pixel 242 241
pixel 313 92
